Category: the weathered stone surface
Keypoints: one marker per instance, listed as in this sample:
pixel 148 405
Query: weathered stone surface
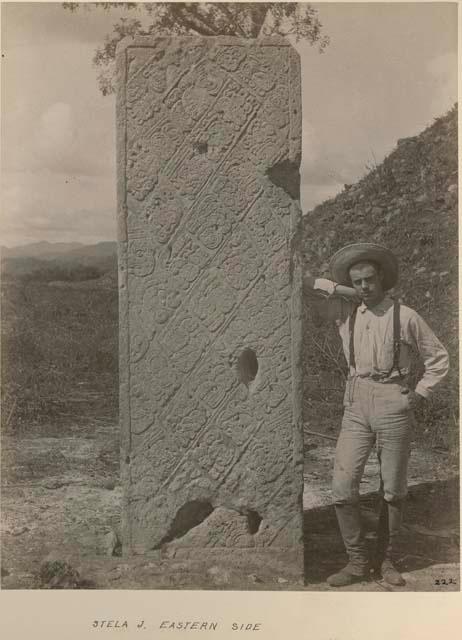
pixel 209 134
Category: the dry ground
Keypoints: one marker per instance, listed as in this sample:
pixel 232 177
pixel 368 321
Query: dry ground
pixel 61 499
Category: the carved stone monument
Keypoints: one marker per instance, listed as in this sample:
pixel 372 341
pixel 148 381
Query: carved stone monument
pixel 209 139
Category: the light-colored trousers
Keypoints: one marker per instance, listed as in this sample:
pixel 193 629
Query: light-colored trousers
pixel 375 413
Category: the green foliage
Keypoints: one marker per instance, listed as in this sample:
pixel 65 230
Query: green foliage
pixel 242 19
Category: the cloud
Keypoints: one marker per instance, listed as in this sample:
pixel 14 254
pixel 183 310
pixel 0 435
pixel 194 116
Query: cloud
pixel 443 75
pixel 53 114
pixel 42 205
pixel 55 137
pixel 68 141
pixel 314 194
pixel 326 165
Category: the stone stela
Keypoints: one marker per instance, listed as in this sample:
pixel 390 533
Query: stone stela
pixel 209 146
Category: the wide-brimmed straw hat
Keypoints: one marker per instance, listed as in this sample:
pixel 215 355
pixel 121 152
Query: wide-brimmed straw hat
pixel 342 261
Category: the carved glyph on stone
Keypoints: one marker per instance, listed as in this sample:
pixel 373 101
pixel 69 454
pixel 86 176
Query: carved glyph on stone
pixel 209 134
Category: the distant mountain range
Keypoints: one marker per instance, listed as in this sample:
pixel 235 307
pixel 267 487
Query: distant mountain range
pixel 66 261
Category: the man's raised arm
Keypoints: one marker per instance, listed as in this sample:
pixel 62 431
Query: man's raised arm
pixel 329 287
pixel 328 301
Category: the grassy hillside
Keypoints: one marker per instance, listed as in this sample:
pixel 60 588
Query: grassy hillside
pixel 47 262
pixel 59 355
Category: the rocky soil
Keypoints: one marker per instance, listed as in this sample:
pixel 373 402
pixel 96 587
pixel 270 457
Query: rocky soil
pixel 61 505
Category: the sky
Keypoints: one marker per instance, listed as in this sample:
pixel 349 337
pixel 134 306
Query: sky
pixel 388 71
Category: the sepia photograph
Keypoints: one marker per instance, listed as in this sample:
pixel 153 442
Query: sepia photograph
pixel 229 299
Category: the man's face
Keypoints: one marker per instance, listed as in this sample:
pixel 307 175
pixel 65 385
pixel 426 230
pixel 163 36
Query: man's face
pixel 367 282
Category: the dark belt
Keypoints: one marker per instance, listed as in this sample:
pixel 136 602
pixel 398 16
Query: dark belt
pixel 377 377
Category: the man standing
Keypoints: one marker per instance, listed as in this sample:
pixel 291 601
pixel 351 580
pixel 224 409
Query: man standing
pixel 377 335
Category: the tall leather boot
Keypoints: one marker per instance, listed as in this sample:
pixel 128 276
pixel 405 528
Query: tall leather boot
pixel 390 519
pixel 382 535
pixel 349 520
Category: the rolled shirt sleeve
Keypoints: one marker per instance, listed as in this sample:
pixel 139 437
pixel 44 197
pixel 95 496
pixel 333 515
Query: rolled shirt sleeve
pixel 325 285
pixel 434 355
pixel 325 305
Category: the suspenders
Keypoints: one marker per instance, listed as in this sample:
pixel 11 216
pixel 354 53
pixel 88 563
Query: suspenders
pixel 396 338
pixel 352 334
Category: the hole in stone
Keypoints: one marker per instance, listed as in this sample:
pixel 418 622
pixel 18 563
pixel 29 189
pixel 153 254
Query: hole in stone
pixel 127 460
pixel 253 521
pixel 187 517
pixel 201 147
pixel 247 366
pixel 286 175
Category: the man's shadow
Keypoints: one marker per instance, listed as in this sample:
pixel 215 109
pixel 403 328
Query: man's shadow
pixel 430 533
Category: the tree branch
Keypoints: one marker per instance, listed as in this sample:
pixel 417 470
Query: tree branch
pixel 233 18
pixel 194 22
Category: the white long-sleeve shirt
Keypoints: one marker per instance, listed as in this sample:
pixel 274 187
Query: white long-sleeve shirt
pixel 373 339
